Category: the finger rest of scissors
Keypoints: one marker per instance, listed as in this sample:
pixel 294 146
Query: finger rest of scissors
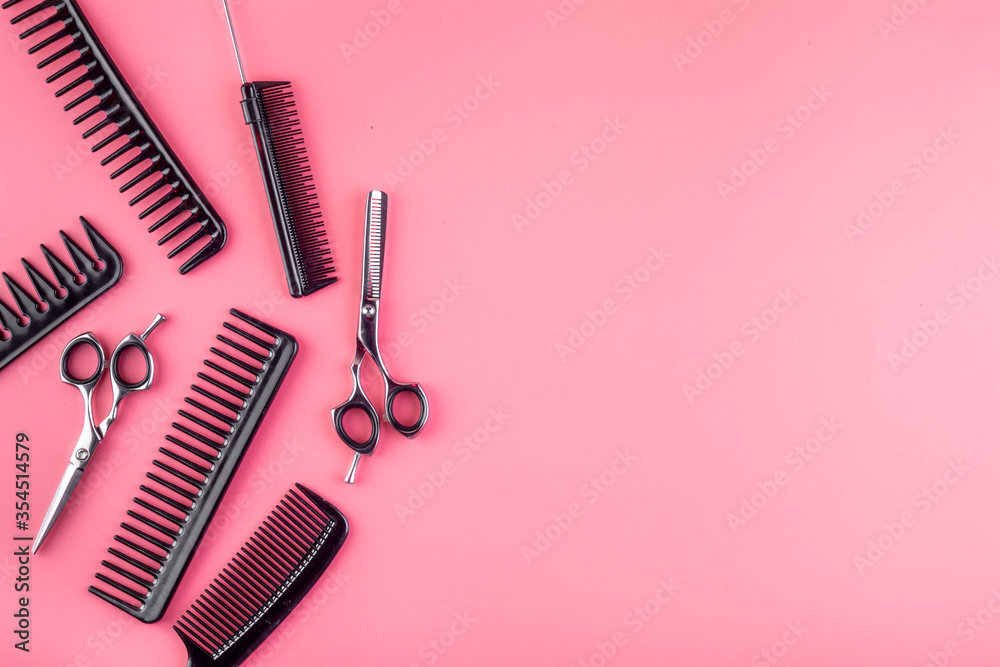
pixel 394 391
pixel 340 412
pixel 83 340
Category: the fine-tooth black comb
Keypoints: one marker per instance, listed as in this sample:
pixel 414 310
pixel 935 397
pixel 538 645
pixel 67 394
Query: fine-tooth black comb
pixel 264 582
pixel 269 110
pixel 38 317
pixel 149 159
pixel 209 440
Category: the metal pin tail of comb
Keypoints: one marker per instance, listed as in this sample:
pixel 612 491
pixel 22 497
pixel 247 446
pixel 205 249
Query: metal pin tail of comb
pixel 56 301
pixel 204 448
pixel 103 98
pixel 264 582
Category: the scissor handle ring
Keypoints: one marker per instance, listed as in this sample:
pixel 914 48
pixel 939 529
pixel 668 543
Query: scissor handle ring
pixel 67 376
pixel 394 391
pixel 132 341
pixel 368 446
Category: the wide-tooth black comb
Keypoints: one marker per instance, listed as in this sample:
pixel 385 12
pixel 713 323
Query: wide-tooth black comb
pixel 50 309
pixel 269 110
pixel 264 582
pixel 179 201
pixel 208 442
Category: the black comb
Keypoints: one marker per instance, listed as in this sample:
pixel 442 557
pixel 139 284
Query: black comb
pixel 149 160
pixel 208 442
pixel 269 110
pixel 76 292
pixel 264 582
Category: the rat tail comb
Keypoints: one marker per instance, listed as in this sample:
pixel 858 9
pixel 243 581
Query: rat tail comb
pixel 269 110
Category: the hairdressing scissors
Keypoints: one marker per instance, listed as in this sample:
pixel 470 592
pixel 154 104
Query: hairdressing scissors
pixel 93 434
pixel 371 291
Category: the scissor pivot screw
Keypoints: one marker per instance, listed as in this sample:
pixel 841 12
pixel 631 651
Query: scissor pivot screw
pixel 82 455
pixel 367 310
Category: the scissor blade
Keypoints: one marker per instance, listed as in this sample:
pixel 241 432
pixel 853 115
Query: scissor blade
pixel 70 479
pixel 375 216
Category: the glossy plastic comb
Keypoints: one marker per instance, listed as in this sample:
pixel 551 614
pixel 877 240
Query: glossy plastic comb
pixel 56 301
pixel 206 445
pixel 269 110
pixel 264 582
pixel 168 191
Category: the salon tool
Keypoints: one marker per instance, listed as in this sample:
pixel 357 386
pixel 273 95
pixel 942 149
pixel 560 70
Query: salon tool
pixel 149 161
pixel 209 440
pixel 367 343
pixel 264 582
pixel 93 434
pixel 57 301
pixel 269 110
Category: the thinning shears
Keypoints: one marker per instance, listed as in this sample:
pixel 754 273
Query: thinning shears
pixel 93 434
pixel 371 292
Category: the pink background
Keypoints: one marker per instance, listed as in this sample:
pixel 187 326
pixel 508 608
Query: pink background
pixel 791 579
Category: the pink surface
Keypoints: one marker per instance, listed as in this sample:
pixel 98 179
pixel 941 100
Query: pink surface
pixel 703 394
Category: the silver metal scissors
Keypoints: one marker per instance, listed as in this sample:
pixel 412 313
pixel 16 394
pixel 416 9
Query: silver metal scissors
pixel 93 434
pixel 371 292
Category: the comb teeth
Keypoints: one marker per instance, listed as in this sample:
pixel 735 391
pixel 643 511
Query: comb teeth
pixel 53 303
pixel 205 447
pixel 302 239
pixel 143 153
pixel 375 225
pixel 262 584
